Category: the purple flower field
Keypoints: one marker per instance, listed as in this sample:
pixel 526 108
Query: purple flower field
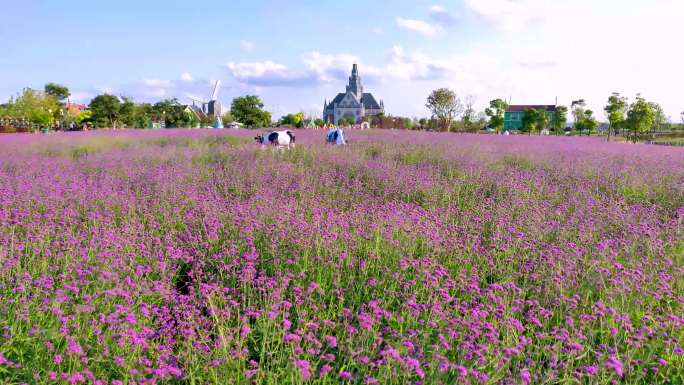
pixel 195 257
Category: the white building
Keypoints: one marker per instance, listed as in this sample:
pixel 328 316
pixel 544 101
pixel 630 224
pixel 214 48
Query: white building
pixel 354 103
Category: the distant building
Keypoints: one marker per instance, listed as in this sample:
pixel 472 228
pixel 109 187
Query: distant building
pixel 513 118
pixel 75 108
pixel 353 103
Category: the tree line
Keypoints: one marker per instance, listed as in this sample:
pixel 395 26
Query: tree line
pixel 33 109
pixel 48 108
pixel 633 119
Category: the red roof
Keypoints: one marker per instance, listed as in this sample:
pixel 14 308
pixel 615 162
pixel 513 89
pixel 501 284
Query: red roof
pixel 525 107
pixel 74 108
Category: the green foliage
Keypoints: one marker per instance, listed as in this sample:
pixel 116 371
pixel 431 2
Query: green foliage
pixel 174 114
pixel 584 118
pixel 106 110
pixel 127 112
pixel 469 118
pixel 560 118
pixel 660 119
pixel 249 111
pixel 318 122
pixel 529 120
pixel 578 109
pixel 346 121
pixel 590 122
pixel 294 120
pixel 535 120
pixel 445 106
pixel 59 92
pixel 84 117
pixel 616 109
pixel 495 112
pixel 35 106
pixel 640 117
pixel 227 118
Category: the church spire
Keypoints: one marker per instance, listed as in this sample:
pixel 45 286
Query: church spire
pixel 355 85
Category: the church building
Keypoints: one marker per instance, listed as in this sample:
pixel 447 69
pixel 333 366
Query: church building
pixel 354 103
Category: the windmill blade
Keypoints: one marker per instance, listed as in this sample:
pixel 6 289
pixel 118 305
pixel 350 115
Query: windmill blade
pixel 195 99
pixel 214 94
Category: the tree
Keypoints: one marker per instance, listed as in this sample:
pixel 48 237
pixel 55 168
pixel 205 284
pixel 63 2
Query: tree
pixel 248 110
pixel 529 120
pixel 445 106
pixel 560 119
pixel 85 116
pixel 174 114
pixel 142 116
pixel 578 113
pixel 616 109
pixel 496 110
pixel 469 118
pixel 135 115
pixel 346 120
pixel 423 123
pixel 481 121
pixel 59 92
pixel 542 120
pixel 640 117
pixel 227 118
pixel 127 112
pixel 660 120
pixel 535 120
pixel 318 122
pixel 298 119
pixel 105 109
pixel 294 120
pixel 35 106
pixel 590 123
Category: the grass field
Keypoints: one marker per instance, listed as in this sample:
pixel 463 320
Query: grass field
pixel 194 257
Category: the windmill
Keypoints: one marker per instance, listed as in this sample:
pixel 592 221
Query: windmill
pixel 214 106
pixel 211 107
pixel 201 108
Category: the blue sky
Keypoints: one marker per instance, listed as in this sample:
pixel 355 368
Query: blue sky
pixel 294 54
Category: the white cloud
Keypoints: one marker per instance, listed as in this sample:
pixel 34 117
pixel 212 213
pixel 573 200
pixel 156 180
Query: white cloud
pixel 106 90
pixel 417 26
pixel 255 69
pixel 545 58
pixel 186 77
pixel 267 73
pixel 415 66
pixel 511 15
pixel 81 96
pixel 334 69
pixel 247 46
pixel 157 83
pixel 542 60
pixel 330 68
pixel 316 69
pixel 154 92
pixel 441 15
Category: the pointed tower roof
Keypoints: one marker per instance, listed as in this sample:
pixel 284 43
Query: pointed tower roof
pixel 355 85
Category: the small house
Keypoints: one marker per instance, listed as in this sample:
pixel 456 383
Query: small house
pixel 513 118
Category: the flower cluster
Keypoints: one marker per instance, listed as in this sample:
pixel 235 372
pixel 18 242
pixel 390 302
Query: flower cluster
pixel 171 256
